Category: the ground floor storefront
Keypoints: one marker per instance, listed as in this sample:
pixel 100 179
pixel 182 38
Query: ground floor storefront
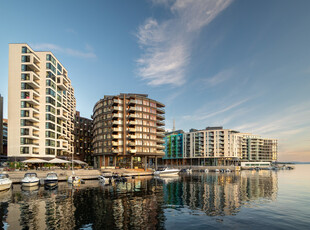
pixel 127 162
pixel 200 162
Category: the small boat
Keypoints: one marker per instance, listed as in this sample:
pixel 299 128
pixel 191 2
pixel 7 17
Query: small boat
pixel 30 179
pixel 206 170
pixel 51 180
pixel 166 172
pixel 189 170
pixel 73 179
pixel 217 170
pixel 103 180
pixel 228 170
pixel 5 182
pixel 222 170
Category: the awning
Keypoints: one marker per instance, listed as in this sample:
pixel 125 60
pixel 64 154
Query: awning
pixel 58 161
pixel 80 162
pixel 35 160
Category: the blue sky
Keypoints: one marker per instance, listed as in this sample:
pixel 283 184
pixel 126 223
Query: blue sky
pixel 239 64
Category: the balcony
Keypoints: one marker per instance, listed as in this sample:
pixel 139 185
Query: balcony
pixel 132 130
pixel 62 114
pixel 160 135
pixel 160 111
pixel 159 129
pixel 33 115
pixel 116 101
pixel 132 116
pixel 132 102
pixel 117 108
pixel 133 109
pixel 115 143
pixel 117 123
pixel 133 151
pixel 132 123
pixel 132 137
pixel 114 150
pixel 31 97
pixel 160 117
pixel 117 129
pixel 116 136
pixel 132 144
pixel 160 146
pixel 160 140
pixel 160 123
pixel 117 116
pixel 62 82
pixel 31 78
pixel 160 152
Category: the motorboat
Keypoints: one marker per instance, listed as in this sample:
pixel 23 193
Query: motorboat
pixel 30 179
pixel 51 180
pixel 217 170
pixel 228 170
pixel 103 180
pixel 206 170
pixel 73 179
pixel 166 172
pixel 5 182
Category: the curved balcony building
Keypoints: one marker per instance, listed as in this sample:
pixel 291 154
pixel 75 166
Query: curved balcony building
pixel 128 131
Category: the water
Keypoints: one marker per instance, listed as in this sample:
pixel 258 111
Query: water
pixel 245 200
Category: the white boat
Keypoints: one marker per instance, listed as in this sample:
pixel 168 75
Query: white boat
pixel 206 170
pixel 228 170
pixel 30 179
pixel 5 182
pixel 73 179
pixel 189 170
pixel 166 172
pixel 103 180
pixel 217 170
pixel 51 180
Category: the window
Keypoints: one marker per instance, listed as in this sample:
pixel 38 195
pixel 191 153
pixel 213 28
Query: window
pixel 24 150
pixel 25 50
pixel 49 125
pixel 50 117
pixel 25 58
pixel 50 134
pixel 59 67
pixel 50 58
pixel 24 132
pixel 50 83
pixel 49 151
pixel 25 95
pixel 51 92
pixel 25 77
pixel 50 100
pixel 51 67
pixel 50 109
pixel 50 75
pixel 50 143
pixel 24 113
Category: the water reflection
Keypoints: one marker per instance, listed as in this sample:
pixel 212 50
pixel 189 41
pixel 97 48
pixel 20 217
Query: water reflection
pixel 138 203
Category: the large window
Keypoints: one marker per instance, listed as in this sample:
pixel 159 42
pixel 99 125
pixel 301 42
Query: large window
pixel 50 117
pixel 25 50
pixel 49 125
pixel 50 100
pixel 25 58
pixel 50 58
pixel 24 150
pixel 50 75
pixel 51 92
pixel 49 151
pixel 50 109
pixel 51 67
pixel 24 132
pixel 24 113
pixel 25 77
pixel 50 83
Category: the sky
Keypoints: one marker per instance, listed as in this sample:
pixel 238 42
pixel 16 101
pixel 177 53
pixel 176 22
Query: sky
pixel 239 64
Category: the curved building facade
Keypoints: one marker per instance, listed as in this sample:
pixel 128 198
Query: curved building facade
pixel 128 131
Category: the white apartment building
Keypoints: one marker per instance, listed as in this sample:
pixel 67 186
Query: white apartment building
pixel 218 146
pixel 41 105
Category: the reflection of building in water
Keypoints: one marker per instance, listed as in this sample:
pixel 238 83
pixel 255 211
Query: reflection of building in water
pixel 222 194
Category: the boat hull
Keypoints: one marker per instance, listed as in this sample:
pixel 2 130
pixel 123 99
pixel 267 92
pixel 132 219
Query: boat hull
pixel 5 186
pixel 166 173
pixel 30 184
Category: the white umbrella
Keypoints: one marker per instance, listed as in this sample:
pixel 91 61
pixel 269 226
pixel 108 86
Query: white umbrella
pixel 58 161
pixel 35 160
pixel 80 162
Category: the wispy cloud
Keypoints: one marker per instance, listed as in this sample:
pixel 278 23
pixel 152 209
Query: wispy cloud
pixel 202 116
pixel 88 53
pixel 218 78
pixel 167 44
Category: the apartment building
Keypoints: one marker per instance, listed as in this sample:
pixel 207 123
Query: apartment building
pixel 174 147
pixel 83 138
pixel 218 146
pixel 41 105
pixel 128 131
pixel 5 138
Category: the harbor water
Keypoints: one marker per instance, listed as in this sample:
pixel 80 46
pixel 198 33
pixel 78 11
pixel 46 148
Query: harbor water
pixel 236 200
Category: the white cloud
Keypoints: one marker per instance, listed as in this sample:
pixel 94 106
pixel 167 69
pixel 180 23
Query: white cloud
pixel 89 53
pixel 218 78
pixel 167 44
